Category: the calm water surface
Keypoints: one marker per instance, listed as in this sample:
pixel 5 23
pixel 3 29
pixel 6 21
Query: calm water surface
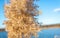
pixel 49 33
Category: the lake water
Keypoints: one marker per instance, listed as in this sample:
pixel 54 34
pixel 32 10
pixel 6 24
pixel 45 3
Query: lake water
pixel 48 33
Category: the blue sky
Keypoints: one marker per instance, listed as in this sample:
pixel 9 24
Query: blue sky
pixel 2 18
pixel 50 12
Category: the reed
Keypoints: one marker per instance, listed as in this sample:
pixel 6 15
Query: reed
pixel 20 21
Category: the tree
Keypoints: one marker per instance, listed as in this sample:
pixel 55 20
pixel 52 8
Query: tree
pixel 20 21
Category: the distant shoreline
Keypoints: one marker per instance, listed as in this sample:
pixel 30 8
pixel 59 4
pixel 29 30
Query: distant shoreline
pixel 2 30
pixel 42 27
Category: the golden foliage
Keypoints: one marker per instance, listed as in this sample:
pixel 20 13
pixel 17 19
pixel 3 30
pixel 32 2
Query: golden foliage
pixel 20 21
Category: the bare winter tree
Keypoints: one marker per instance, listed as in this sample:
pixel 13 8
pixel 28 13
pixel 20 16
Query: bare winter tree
pixel 20 21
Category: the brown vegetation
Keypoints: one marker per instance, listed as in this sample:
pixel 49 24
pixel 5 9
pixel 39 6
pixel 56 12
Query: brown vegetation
pixel 2 30
pixel 21 22
pixel 50 26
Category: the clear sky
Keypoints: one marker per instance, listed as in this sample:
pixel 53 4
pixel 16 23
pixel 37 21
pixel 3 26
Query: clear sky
pixel 50 12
